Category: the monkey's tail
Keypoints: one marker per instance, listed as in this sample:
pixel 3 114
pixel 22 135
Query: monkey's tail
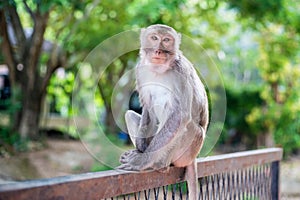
pixel 192 180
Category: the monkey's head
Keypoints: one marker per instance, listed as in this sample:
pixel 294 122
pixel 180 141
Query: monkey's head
pixel 159 45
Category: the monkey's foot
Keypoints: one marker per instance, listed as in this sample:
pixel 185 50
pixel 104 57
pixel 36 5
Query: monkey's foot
pixel 128 155
pixel 134 160
pixel 123 167
pixel 127 167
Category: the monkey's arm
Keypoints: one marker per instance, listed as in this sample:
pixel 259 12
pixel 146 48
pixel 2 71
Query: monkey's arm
pixel 155 155
pixel 167 132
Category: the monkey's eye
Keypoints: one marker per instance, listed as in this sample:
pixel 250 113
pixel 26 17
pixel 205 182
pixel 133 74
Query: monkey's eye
pixel 166 39
pixel 153 37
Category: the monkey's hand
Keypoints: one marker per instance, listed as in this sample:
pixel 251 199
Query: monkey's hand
pixel 134 160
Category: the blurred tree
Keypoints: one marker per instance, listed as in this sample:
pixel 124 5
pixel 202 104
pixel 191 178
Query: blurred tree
pixel 31 58
pixel 193 18
pixel 105 20
pixel 77 27
pixel 278 25
pixel 241 101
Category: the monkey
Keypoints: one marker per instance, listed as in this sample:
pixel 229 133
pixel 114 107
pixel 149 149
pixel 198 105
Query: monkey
pixel 172 126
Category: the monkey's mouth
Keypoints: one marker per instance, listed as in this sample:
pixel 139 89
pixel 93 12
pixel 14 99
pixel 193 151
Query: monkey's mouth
pixel 164 51
pixel 158 59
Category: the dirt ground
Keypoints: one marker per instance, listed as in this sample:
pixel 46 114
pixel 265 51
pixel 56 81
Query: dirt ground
pixel 59 158
pixel 65 157
pixel 290 178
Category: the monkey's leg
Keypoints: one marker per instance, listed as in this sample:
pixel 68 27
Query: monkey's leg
pixel 132 120
pixel 137 126
pixel 156 154
pixel 192 180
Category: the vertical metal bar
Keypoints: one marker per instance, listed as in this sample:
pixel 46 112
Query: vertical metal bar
pixel 239 184
pixel 255 183
pixel 187 191
pixel 201 188
pixel 225 187
pixel 275 180
pixel 180 191
pixel 173 191
pixel 165 191
pixel 156 193
pixel 212 183
pixel 229 186
pixel 207 182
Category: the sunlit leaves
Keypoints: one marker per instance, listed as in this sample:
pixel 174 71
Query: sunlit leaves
pixel 257 9
pixel 59 92
pixel 277 23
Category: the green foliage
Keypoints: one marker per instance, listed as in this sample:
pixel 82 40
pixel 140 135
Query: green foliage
pixel 155 12
pixel 10 140
pixel 240 102
pixel 278 40
pixel 262 79
pixel 60 91
pixel 98 166
pixel 281 111
pixel 287 132
pixel 257 9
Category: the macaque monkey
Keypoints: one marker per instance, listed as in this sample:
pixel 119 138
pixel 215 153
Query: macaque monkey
pixel 173 123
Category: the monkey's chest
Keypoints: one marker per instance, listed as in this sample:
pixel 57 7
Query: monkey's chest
pixel 157 92
pixel 158 99
pixel 156 95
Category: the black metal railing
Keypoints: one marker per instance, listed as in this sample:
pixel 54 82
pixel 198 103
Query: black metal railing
pixel 249 175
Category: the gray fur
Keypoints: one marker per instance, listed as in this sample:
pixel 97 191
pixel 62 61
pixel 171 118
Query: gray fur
pixel 172 127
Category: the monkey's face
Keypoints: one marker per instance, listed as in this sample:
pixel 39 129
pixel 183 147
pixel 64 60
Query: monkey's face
pixel 161 47
pixel 159 44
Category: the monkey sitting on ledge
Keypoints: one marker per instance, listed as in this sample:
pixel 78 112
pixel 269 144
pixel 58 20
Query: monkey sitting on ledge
pixel 173 123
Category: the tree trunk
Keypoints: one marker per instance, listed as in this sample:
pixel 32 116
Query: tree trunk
pixel 265 139
pixel 29 116
pixel 31 81
pixel 23 59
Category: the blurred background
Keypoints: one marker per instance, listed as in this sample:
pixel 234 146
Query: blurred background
pixel 255 45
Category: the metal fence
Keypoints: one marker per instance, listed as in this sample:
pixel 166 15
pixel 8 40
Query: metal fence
pixel 249 175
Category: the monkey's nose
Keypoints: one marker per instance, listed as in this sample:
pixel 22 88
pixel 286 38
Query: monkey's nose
pixel 157 52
